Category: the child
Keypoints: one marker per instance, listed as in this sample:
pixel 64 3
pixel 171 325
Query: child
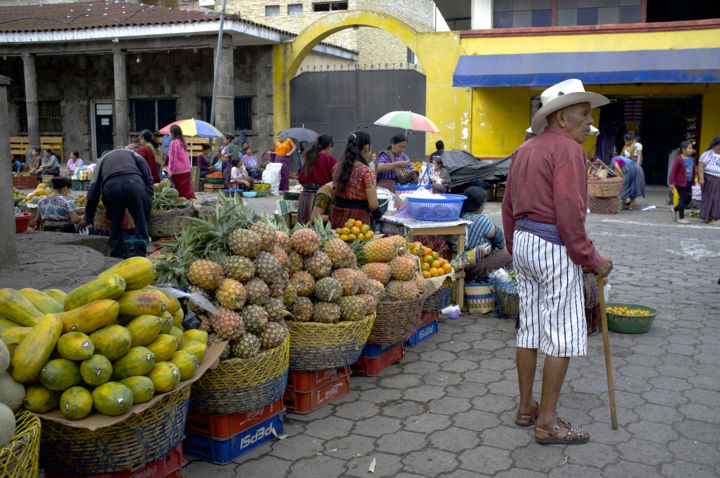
pixel 239 177
pixel 439 176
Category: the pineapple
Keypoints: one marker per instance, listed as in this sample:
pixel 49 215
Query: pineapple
pixel 379 250
pixel 328 290
pixel 283 240
pixel 255 317
pixel 302 309
pixel 205 324
pixel 338 252
pixel 401 290
pixel 376 289
pixel 247 346
pixel 231 294
pixel 276 310
pixel 305 241
pixel 303 282
pixel 280 255
pixel 258 292
pixel 193 304
pixel 290 295
pixel 239 268
pixel 295 262
pixel 378 271
pixel 266 233
pixel 326 312
pixel 363 281
pixel 353 308
pixel 348 279
pixel 277 289
pixel 268 268
pixel 370 303
pixel 227 324
pixel 420 283
pixel 403 268
pixel 205 274
pixel 273 335
pixel 319 265
pixel 400 243
pixel 243 242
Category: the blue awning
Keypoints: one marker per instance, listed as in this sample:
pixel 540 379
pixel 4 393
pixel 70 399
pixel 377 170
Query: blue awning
pixel 700 65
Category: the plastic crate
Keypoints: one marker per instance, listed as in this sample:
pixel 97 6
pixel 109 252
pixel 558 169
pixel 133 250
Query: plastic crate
pixel 372 366
pixel 222 427
pixel 306 402
pixel 423 333
pixel 427 317
pixel 224 451
pixel 302 381
pixel 81 185
pixel 440 207
pixel 25 182
pixel 375 350
pixel 399 188
pixel 165 467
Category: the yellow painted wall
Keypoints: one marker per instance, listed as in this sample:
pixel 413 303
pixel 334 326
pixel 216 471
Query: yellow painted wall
pixel 710 121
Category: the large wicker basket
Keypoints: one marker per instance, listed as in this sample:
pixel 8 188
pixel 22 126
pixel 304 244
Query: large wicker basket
pixel 240 385
pixel 131 444
pixel 439 299
pixel 102 222
pixel 396 321
pixel 509 303
pixel 19 459
pixel 167 223
pixel 316 346
pixel 604 188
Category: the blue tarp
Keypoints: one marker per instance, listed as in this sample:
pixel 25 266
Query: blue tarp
pixel 700 65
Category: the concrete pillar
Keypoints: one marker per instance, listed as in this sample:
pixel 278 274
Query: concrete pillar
pixel 121 112
pixel 481 14
pixel 31 105
pixel 8 246
pixel 225 101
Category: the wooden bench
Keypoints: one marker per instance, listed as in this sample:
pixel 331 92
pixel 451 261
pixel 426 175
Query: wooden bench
pixel 19 144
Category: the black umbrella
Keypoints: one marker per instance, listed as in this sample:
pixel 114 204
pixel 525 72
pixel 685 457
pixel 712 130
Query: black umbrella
pixel 465 168
pixel 301 134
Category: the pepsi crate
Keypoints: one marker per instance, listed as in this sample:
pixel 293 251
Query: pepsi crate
pixel 427 317
pixel 221 452
pixel 375 350
pixel 372 366
pixel 222 427
pixel 423 333
pixel 307 402
pixel 304 381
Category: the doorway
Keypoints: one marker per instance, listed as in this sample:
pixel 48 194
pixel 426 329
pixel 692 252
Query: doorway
pixel 103 113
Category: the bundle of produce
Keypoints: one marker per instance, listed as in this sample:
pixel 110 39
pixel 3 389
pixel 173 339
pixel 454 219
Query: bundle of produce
pixel 18 197
pixel 81 200
pixel 83 173
pixel 167 210
pixel 36 194
pixel 167 198
pixel 216 174
pixel 354 230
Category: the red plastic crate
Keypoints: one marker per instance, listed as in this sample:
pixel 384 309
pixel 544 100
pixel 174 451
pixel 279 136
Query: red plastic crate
pixel 306 402
pixel 301 381
pixel 165 467
pixel 372 366
pixel 25 182
pixel 222 427
pixel 426 318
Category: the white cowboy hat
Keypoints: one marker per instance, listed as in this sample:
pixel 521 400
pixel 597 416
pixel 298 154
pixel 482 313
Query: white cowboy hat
pixel 593 130
pixel 566 93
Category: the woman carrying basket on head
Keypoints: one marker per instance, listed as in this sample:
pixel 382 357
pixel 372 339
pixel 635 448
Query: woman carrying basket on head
pixel 316 171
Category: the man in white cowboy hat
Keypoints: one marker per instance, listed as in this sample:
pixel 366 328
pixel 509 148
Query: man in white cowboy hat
pixel 544 219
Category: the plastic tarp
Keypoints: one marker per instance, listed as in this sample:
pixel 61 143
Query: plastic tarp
pixel 465 168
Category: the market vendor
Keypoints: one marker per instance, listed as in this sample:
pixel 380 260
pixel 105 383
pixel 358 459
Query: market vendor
pixel 203 161
pixel 57 211
pixel 48 165
pixel 393 165
pixel 123 178
pixel 323 202
pixel 439 176
pixel 284 149
pixel 316 171
pixel 633 180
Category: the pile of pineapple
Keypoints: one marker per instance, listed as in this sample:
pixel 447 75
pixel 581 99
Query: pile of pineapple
pixel 388 264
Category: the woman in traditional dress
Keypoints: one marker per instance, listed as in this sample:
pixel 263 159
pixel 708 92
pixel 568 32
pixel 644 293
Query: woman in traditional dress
pixel 393 162
pixel 284 149
pixel 179 163
pixel 316 171
pixel 633 180
pixel 709 178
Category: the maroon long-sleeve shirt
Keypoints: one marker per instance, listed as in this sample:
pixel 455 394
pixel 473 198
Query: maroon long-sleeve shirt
pixel 547 183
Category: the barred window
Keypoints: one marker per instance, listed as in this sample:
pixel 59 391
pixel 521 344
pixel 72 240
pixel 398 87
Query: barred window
pixel 151 114
pixel 49 117
pixel 243 112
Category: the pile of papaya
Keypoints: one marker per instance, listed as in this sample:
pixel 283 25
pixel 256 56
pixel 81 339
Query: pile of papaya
pixel 105 346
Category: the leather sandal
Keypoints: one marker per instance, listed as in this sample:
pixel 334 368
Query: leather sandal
pixel 549 436
pixel 525 419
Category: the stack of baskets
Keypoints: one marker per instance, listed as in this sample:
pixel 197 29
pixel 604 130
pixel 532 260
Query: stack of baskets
pixel 396 321
pixel 603 195
pixel 19 459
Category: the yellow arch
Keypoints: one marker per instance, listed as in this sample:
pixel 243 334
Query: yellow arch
pixel 437 52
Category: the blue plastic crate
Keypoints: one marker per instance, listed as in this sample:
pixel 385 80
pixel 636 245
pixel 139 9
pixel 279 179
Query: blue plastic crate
pixel 224 451
pixel 375 350
pixel 405 187
pixel 440 207
pixel 423 333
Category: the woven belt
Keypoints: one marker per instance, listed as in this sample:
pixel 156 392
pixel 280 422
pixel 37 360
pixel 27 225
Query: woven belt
pixel 543 230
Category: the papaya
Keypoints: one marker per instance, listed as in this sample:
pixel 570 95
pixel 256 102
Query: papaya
pixel 35 349
pixel 195 335
pixel 75 346
pixel 13 337
pixel 108 287
pixel 137 272
pixel 178 317
pixel 17 308
pixel 143 302
pixel 90 317
pixel 198 349
pixel 173 302
pixel 178 334
pixel 186 363
pixel 60 374
pixel 144 329
pixel 165 376
pixel 142 388
pixel 112 341
pixel 138 361
pixel 76 403
pixel 39 399
pixel 57 294
pixel 7 324
pixel 167 322
pixel 112 398
pixel 164 347
pixel 42 302
pixel 96 370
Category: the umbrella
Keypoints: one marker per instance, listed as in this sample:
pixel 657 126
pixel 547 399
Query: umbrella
pixel 194 127
pixel 408 120
pixel 301 134
pixel 465 168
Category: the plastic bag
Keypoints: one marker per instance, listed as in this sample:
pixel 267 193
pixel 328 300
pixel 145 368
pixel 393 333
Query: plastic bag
pixel 271 175
pixel 425 181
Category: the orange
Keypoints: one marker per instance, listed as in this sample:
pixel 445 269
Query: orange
pixel 351 221
pixel 345 230
pixel 427 258
pixel 447 268
pixel 369 235
pixel 435 255
pixel 434 271
pixel 417 244
pixel 358 224
pixel 361 236
pixel 355 230
pixel 435 264
pixel 426 251
pixel 426 274
pixel 338 230
pixel 352 237
pixel 344 237
pixel 425 266
pixel 364 228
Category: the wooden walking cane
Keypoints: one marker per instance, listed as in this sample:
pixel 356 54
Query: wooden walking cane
pixel 608 361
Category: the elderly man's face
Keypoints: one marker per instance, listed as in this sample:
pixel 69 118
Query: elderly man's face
pixel 576 121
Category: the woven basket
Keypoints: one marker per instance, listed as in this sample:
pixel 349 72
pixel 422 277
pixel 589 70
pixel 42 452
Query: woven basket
pixel 603 188
pixel 102 222
pixel 316 346
pixel 630 324
pixel 131 444
pixel 240 385
pixel 396 321
pixel 167 223
pixel 19 459
pixel 603 205
pixel 509 303
pixel 438 300
pixel 480 297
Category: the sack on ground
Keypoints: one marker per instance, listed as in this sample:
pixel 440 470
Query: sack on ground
pixel 271 175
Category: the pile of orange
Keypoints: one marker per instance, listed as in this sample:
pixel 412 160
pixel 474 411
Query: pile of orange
pixel 354 230
pixel 432 264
